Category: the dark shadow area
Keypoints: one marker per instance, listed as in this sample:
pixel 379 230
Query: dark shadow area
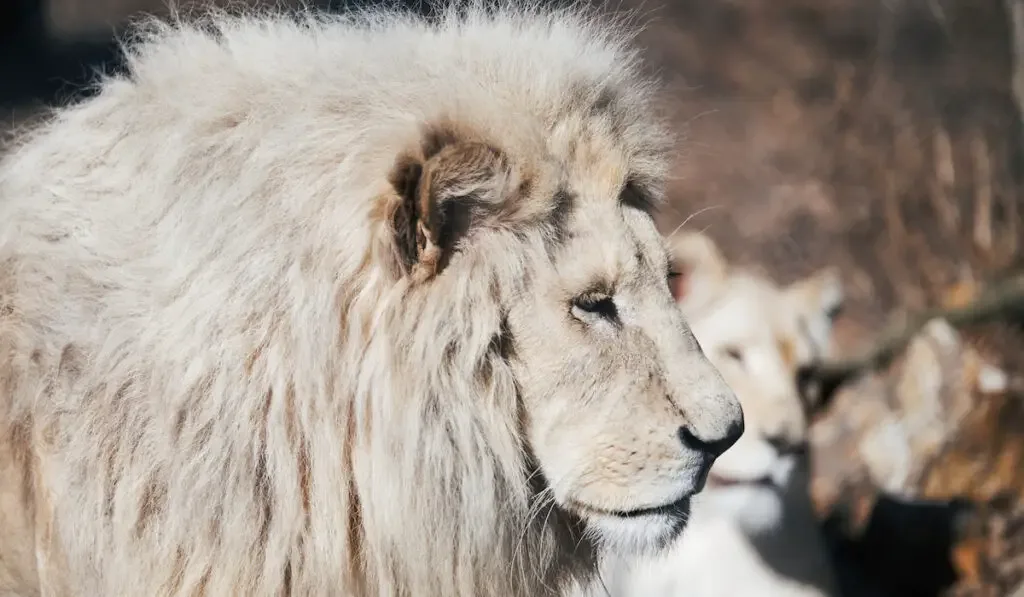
pixel 900 540
pixel 35 67
pixel 39 68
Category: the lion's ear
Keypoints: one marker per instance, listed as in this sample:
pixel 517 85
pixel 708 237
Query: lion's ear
pixel 443 198
pixel 701 267
pixel 820 294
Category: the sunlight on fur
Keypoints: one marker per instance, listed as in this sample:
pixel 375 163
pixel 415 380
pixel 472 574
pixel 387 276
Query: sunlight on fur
pixel 363 305
pixel 753 530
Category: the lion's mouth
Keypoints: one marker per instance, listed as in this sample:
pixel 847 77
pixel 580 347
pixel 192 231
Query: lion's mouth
pixel 679 508
pixel 716 481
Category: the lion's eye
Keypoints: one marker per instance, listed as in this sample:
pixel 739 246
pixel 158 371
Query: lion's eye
pixel 673 276
pixel 588 306
pixel 734 353
pixel 675 281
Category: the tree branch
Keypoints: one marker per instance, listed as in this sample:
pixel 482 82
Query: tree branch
pixel 1002 301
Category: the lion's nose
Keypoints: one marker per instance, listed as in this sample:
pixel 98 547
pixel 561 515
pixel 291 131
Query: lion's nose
pixel 713 446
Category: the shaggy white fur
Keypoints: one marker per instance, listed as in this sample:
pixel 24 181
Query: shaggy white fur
pixel 365 305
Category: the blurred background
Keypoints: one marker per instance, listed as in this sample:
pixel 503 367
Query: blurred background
pixel 880 136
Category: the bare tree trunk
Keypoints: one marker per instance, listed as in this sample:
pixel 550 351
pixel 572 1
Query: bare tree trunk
pixel 1015 15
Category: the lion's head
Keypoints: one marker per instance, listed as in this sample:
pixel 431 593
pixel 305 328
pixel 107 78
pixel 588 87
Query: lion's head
pixel 761 337
pixel 552 249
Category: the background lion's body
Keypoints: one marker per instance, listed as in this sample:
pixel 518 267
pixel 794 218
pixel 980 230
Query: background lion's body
pixel 206 229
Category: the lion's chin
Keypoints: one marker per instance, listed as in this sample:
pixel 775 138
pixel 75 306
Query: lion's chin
pixel 638 533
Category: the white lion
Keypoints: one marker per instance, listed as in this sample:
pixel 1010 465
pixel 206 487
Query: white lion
pixel 753 530
pixel 367 305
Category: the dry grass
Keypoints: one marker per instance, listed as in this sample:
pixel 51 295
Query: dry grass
pixel 842 132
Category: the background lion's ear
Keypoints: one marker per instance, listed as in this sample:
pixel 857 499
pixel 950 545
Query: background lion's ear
pixel 818 299
pixel 820 294
pixel 443 198
pixel 701 266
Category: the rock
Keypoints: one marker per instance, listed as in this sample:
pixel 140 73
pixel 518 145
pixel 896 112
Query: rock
pixel 1019 591
pixel 932 396
pixel 886 451
pixel 992 380
pixel 890 426
pixel 835 439
pixel 940 426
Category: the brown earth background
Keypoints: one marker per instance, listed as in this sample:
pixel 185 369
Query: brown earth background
pixel 879 136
